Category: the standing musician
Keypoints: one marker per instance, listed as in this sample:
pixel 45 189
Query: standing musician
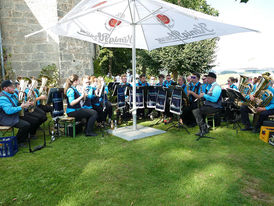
pixel 168 81
pixel 74 108
pixel 182 83
pixel 9 113
pixel 86 88
pixel 263 112
pixel 161 80
pixel 212 103
pixel 194 87
pixel 231 83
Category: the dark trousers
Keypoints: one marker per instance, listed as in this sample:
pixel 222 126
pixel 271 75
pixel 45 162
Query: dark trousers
pixel 262 116
pixel 108 110
pixel 33 120
pixel 89 114
pixel 200 113
pixel 187 114
pixel 24 129
pixel 46 108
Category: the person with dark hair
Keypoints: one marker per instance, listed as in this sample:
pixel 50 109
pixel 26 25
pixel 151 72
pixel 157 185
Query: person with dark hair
pixel 168 81
pixel 74 108
pixel 204 84
pixel 9 113
pixel 161 78
pixel 231 83
pixel 213 103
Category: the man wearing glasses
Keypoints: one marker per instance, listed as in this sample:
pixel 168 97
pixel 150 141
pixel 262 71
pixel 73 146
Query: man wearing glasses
pixel 168 81
pixel 9 113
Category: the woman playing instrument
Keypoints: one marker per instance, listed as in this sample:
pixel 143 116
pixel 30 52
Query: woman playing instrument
pixel 74 108
pixel 231 83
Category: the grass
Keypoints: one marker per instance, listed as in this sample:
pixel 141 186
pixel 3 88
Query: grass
pixel 168 169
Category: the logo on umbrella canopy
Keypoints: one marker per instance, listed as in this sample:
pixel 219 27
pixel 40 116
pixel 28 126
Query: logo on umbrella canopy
pixel 114 22
pixel 164 19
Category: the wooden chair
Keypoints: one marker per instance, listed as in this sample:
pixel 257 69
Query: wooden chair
pixel 5 129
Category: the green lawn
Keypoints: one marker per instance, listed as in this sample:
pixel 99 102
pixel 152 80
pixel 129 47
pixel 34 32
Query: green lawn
pixel 168 169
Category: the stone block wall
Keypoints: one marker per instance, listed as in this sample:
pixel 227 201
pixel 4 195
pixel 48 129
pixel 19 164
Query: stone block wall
pixel 29 56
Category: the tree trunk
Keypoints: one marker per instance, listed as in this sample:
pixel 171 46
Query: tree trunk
pixel 110 66
pixel 175 75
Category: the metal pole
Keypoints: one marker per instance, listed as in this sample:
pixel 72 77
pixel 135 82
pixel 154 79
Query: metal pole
pixel 2 56
pixel 134 112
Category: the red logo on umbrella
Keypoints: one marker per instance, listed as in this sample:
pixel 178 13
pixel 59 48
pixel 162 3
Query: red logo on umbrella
pixel 163 18
pixel 99 4
pixel 114 22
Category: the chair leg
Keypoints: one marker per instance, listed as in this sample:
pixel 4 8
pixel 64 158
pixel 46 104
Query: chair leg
pixel 74 132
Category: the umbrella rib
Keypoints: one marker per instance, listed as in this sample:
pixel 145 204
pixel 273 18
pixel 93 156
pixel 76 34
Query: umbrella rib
pixel 110 15
pixel 148 16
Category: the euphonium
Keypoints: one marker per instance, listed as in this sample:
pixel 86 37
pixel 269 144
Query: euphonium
pixel 244 87
pixel 31 94
pixel 23 83
pixel 42 90
pixel 262 96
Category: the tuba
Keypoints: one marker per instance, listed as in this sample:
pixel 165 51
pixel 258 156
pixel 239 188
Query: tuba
pixel 262 95
pixel 42 88
pixel 244 87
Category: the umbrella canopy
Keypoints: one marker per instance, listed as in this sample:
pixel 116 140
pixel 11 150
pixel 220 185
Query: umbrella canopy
pixel 143 24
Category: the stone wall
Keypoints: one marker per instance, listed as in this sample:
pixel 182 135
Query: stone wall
pixel 29 56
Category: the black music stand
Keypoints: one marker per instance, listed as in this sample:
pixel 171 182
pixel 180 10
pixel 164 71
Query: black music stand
pixel 122 92
pixel 56 96
pixel 160 103
pixel 236 96
pixel 176 104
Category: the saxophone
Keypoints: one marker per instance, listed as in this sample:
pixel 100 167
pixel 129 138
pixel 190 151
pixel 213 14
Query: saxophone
pixel 262 96
pixel 42 88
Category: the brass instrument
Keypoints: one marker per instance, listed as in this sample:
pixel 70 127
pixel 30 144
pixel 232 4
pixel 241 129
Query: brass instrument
pixel 31 94
pixel 244 87
pixel 42 88
pixel 262 96
pixel 23 83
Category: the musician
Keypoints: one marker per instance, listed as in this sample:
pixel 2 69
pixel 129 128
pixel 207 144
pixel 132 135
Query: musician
pixel 74 108
pixel 152 81
pixel 212 103
pixel 87 101
pixel 182 83
pixel 9 113
pixel 231 83
pixel 204 84
pixel 263 112
pixel 194 90
pixel 124 81
pixel 142 83
pixel 168 81
pixel 161 80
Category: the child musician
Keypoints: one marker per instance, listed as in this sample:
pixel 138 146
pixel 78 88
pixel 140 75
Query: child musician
pixel 74 108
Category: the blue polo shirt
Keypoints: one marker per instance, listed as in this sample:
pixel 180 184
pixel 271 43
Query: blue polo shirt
pixel 7 106
pixel 215 93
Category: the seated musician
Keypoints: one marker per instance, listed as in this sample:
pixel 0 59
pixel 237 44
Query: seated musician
pixel 74 108
pixel 212 103
pixel 36 111
pixel 9 113
pixel 86 88
pixel 195 87
pixel 142 83
pixel 231 83
pixel 161 80
pixel 263 113
pixel 168 81
pixel 204 84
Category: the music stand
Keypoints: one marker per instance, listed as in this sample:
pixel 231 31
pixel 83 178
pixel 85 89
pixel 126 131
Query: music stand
pixel 140 100
pixel 176 104
pixel 160 102
pixel 151 96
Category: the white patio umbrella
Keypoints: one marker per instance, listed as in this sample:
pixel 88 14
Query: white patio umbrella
pixel 142 24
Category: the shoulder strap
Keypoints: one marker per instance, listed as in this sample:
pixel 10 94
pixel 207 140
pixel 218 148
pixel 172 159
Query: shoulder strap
pixel 2 94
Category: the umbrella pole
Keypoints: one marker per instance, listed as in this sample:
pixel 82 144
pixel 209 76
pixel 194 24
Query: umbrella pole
pixel 134 112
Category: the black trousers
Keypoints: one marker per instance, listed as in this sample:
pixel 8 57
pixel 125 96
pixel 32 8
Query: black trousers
pixel 200 113
pixel 24 128
pixel 262 116
pixel 33 120
pixel 89 114
pixel 187 114
pixel 46 108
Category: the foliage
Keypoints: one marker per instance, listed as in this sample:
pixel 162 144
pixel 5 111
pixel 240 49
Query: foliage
pixel 182 59
pixel 97 68
pixel 51 71
pixel 114 61
pixel 167 169
pixel 244 1
pixel 9 73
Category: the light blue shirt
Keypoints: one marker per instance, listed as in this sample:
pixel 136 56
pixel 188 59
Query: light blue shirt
pixel 215 93
pixel 70 95
pixel 271 104
pixel 7 106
